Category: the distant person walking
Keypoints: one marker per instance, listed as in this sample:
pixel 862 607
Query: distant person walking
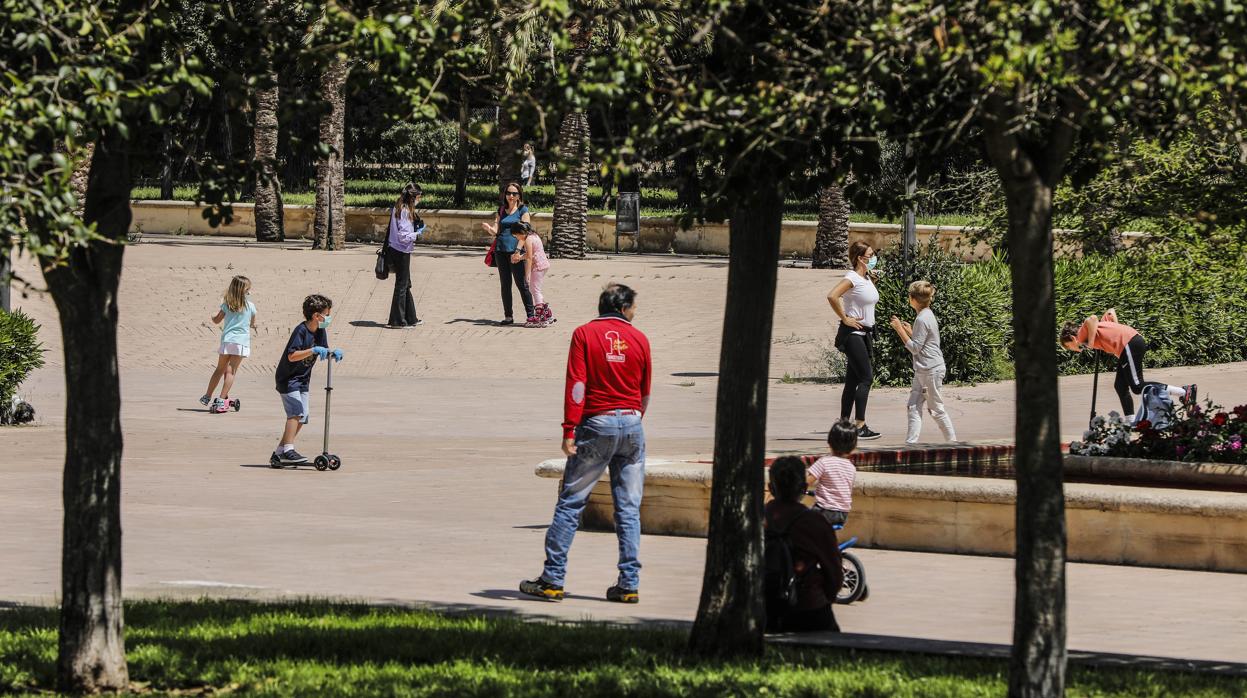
pixel 854 300
pixel 511 211
pixel 607 392
pixel 237 318
pixel 528 168
pixel 1108 335
pixel 533 254
pixel 405 228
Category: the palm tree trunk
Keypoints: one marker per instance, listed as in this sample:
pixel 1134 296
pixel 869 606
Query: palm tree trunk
pixel 269 215
pixel 571 188
pixel 730 616
pixel 91 649
pixel 329 226
pixel 831 242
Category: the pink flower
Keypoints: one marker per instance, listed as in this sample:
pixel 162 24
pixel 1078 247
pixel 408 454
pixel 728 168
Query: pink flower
pixel 1235 445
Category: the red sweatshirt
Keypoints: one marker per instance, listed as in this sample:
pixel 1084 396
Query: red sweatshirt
pixel 608 368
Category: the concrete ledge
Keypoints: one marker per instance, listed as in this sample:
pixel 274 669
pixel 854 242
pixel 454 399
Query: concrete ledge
pixel 1222 474
pixel 984 650
pixel 451 227
pixel 1188 529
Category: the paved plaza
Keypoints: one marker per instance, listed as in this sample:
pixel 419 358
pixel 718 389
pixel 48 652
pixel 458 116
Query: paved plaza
pixel 440 427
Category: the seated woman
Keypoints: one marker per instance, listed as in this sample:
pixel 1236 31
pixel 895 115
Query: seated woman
pixel 815 552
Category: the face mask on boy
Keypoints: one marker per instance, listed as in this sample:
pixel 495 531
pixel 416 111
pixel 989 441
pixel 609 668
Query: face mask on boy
pixel 325 323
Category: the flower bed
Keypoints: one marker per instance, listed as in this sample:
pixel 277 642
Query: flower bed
pixel 1208 434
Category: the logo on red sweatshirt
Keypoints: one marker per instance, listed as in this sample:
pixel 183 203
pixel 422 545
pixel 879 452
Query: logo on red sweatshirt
pixel 616 347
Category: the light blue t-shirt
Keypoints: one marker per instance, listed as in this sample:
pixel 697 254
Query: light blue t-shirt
pixel 236 329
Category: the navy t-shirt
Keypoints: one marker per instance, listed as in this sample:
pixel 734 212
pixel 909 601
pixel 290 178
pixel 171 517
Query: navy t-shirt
pixel 507 242
pixel 295 377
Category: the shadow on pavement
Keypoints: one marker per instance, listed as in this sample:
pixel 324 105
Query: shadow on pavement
pixel 366 323
pixel 475 321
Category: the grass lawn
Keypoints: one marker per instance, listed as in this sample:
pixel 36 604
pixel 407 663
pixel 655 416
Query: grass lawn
pixel 483 197
pixel 316 648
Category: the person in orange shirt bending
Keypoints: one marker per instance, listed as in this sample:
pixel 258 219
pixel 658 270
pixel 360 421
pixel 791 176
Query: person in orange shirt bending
pixel 1123 341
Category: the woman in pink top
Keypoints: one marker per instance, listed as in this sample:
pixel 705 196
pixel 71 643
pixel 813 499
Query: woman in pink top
pixel 1123 341
pixel 536 263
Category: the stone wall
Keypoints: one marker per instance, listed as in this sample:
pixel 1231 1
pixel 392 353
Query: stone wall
pixel 445 227
pixel 1187 529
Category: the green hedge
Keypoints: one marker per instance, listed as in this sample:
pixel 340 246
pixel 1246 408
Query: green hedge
pixel 1186 298
pixel 20 353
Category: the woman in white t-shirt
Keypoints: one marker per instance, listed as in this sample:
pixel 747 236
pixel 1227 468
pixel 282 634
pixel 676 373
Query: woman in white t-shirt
pixel 854 300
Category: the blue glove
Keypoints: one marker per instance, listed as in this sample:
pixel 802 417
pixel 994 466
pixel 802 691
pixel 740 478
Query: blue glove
pixel 337 354
pixel 420 230
pixel 320 352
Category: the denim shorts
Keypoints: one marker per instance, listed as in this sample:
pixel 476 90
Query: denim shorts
pixel 296 405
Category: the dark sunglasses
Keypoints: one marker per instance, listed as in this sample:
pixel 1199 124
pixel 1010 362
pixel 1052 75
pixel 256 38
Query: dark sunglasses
pixel 513 193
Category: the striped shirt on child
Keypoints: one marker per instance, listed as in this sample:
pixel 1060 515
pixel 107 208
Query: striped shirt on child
pixel 833 488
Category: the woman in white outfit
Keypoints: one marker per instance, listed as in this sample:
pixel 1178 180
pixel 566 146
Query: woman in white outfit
pixel 854 300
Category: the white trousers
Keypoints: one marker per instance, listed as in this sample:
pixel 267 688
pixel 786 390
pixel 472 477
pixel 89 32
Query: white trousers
pixel 926 388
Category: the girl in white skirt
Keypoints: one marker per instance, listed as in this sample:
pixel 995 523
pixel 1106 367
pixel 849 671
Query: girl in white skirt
pixel 238 315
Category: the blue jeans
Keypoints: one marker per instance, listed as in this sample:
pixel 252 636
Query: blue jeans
pixel 614 440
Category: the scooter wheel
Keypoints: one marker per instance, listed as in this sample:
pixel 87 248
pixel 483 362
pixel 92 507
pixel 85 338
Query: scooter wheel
pixel 321 463
pixel 335 462
pixel 237 404
pixel 274 462
pixel 854 586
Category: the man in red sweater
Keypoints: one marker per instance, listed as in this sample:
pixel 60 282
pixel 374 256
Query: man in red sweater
pixel 608 383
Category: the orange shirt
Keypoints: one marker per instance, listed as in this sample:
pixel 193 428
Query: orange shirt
pixel 1110 337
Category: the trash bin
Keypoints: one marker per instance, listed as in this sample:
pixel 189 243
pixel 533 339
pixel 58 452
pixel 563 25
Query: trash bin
pixel 628 217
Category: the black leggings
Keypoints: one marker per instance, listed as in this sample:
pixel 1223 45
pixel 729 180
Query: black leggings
pixel 506 273
pixel 1130 374
pixel 402 306
pixel 859 374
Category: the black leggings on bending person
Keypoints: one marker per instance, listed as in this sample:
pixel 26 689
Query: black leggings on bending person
pixel 509 272
pixel 859 374
pixel 1130 374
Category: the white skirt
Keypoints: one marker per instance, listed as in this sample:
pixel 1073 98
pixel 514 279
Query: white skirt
pixel 233 349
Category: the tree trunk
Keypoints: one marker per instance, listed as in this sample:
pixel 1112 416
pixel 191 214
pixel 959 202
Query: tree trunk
pixel 269 215
pixel 91 655
pixel 571 188
pixel 688 182
pixel 461 154
pixel 329 226
pixel 831 242
pixel 1037 664
pixel 730 617
pixel 166 169
pixel 508 153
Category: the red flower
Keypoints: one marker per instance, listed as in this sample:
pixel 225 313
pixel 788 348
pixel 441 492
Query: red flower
pixel 1143 424
pixel 1220 419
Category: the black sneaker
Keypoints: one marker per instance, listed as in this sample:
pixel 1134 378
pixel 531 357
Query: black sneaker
pixel 291 457
pixel 619 594
pixel 865 433
pixel 541 589
pixel 507 321
pixel 1189 398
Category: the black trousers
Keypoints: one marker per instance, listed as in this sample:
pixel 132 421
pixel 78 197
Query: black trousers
pixel 1130 374
pixel 402 306
pixel 508 271
pixel 859 375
